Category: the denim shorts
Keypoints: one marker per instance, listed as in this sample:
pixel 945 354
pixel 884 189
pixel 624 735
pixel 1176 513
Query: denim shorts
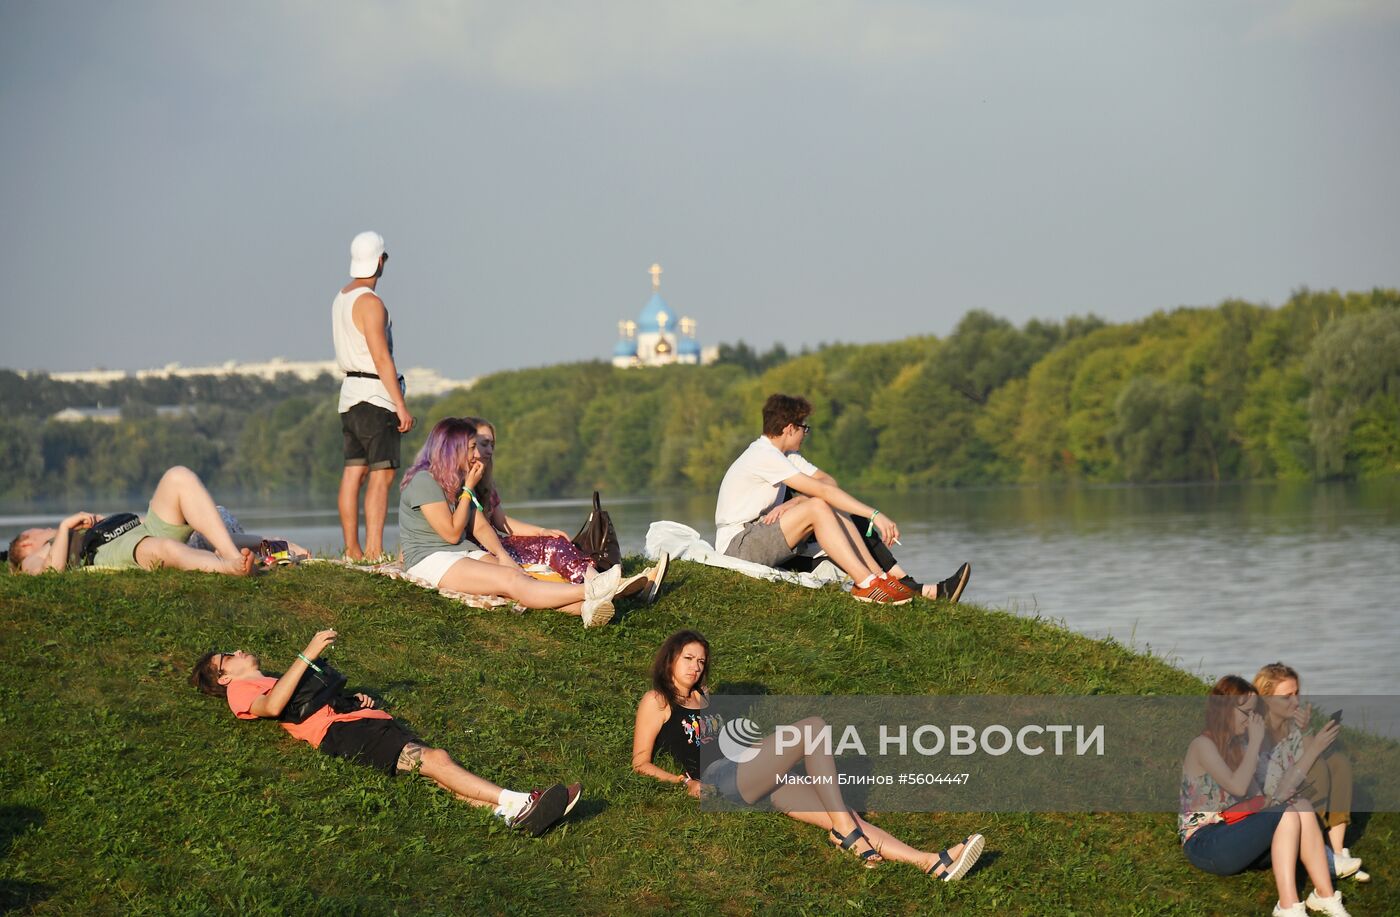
pixel 723 775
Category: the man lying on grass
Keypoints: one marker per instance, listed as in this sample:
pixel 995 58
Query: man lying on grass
pixel 179 507
pixel 353 727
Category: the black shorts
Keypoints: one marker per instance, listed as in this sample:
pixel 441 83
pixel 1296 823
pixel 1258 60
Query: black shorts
pixel 371 436
pixel 374 742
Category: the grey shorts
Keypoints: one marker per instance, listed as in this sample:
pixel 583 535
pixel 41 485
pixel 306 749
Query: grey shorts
pixel 761 544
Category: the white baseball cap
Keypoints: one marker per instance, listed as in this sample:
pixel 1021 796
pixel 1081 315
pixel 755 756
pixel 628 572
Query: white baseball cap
pixel 365 252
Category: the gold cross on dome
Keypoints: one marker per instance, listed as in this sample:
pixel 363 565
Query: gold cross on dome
pixel 655 273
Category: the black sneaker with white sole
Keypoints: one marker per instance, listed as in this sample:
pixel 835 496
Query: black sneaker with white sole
pixel 545 808
pixel 951 589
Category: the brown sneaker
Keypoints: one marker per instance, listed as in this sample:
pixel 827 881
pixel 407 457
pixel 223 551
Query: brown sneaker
pixel 545 808
pixel 880 591
pixel 575 793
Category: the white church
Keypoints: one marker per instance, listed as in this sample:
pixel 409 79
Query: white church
pixel 651 340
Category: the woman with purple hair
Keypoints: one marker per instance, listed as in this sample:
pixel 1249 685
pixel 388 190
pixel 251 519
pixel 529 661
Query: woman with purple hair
pixel 436 513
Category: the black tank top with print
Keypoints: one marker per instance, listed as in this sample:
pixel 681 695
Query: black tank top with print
pixel 685 733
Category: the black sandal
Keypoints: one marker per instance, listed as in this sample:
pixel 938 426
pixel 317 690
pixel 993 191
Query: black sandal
pixel 870 857
pixel 956 869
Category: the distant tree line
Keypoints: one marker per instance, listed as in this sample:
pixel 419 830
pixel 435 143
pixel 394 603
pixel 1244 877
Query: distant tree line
pixel 1307 390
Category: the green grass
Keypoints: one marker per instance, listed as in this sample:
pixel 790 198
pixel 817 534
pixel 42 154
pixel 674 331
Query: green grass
pixel 123 790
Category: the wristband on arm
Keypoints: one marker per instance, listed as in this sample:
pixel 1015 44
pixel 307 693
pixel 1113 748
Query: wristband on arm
pixel 468 492
pixel 870 529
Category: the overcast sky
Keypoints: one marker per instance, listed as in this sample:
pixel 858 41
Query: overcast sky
pixel 181 181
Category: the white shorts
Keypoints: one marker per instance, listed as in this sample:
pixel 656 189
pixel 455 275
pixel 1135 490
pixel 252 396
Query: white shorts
pixel 432 567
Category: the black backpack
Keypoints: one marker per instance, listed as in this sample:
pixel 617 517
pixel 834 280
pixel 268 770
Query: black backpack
pixel 598 538
pixel 320 685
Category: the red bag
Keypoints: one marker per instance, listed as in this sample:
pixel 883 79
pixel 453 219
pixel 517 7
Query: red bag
pixel 1243 809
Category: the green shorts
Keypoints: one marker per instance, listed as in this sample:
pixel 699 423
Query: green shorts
pixel 121 553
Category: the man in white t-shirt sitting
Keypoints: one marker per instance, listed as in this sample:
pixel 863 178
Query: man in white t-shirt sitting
pixel 756 520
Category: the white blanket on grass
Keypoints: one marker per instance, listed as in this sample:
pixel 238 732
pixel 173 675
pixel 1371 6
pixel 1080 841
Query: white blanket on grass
pixel 684 543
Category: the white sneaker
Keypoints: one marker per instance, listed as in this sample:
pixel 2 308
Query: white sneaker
pixel 1331 906
pixel 1294 910
pixel 659 574
pixel 603 585
pixel 597 612
pixel 1360 875
pixel 1344 864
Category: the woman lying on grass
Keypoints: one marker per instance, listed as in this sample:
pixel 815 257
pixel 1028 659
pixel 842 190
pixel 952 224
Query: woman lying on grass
pixel 1287 754
pixel 672 715
pixel 180 507
pixel 1218 773
pixel 436 512
pixel 353 727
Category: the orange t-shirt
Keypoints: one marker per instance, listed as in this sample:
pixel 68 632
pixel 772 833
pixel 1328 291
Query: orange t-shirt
pixel 243 692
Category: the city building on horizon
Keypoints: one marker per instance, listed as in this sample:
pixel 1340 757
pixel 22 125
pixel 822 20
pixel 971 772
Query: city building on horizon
pixel 647 341
pixel 419 380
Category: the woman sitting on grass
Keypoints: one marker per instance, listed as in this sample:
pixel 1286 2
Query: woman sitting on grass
pixel 672 715
pixel 1218 773
pixel 436 512
pixel 525 542
pixel 1287 756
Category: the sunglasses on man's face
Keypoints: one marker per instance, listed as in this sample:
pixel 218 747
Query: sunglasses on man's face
pixel 805 428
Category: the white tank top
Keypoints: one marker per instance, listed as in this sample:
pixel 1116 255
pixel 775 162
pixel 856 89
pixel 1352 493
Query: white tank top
pixel 352 354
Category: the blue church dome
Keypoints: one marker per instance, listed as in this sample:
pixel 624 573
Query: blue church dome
pixel 688 346
pixel 646 322
pixel 625 348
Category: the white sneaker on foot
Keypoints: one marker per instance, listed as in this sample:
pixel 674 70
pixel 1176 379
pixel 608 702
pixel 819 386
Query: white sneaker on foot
pixel 1296 909
pixel 1330 906
pixel 603 585
pixel 1344 864
pixel 597 612
pixel 1360 875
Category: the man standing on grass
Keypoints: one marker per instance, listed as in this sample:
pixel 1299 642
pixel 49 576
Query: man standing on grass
pixel 353 727
pixel 373 413
pixel 757 520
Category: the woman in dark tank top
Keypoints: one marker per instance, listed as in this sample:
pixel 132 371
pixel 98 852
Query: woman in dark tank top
pixel 675 716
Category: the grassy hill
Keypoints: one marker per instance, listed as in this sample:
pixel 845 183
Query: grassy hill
pixel 123 790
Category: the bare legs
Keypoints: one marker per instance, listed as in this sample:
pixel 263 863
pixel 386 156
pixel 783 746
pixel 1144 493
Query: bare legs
pixel 181 499
pixel 819 803
pixel 834 532
pixel 1299 837
pixel 376 484
pixel 438 766
pixel 481 578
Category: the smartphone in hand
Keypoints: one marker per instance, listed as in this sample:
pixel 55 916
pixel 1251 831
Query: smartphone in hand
pixel 1335 718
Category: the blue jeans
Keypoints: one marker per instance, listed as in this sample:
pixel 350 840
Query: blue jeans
pixel 1224 850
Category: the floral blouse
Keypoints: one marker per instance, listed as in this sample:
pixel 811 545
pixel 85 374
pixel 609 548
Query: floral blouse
pixel 1202 800
pixel 1277 760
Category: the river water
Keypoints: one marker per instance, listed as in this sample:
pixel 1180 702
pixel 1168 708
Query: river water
pixel 1216 579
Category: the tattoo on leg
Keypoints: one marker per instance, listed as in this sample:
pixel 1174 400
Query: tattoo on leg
pixel 411 758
